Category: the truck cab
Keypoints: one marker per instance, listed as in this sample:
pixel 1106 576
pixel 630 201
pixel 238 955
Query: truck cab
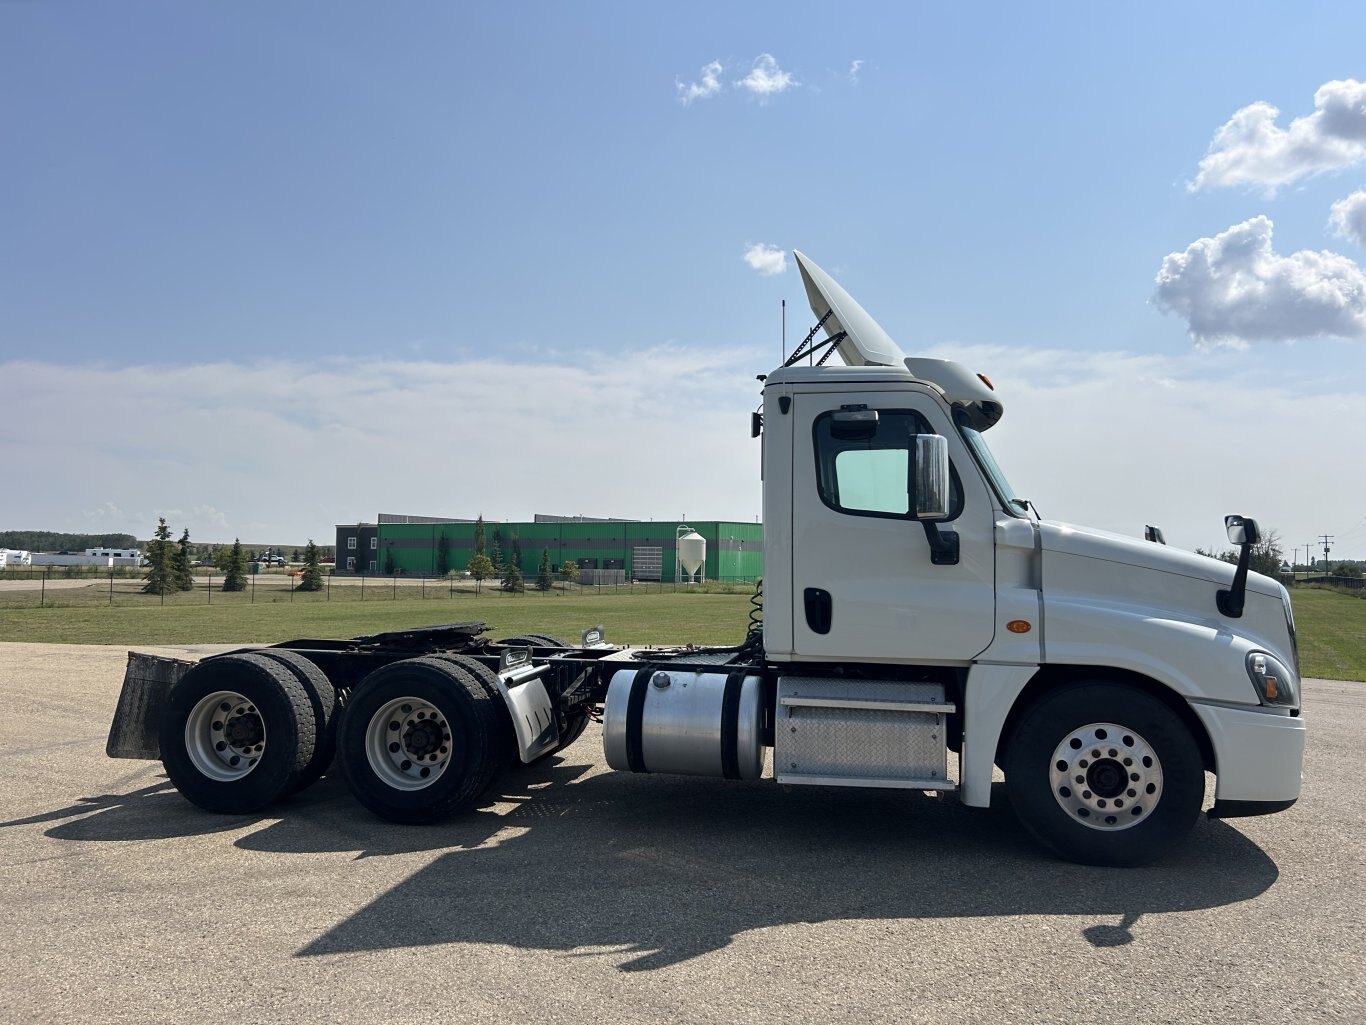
pixel 894 540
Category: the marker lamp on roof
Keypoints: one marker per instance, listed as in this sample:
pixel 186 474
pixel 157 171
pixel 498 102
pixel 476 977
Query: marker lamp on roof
pixel 986 381
pixel 1276 685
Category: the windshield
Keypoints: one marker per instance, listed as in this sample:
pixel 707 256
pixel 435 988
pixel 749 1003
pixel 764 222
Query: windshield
pixel 1012 503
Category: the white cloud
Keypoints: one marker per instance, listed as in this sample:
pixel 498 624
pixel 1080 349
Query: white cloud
pixel 1251 149
pixel 1348 217
pixel 708 85
pixel 279 452
pixel 854 69
pixel 1235 288
pixel 766 79
pixel 1164 441
pixel 767 260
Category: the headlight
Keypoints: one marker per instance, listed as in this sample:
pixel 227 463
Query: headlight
pixel 1276 685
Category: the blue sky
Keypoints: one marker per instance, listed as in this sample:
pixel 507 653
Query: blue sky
pixel 278 262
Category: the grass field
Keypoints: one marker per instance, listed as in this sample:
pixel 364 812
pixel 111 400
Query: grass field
pixel 1331 625
pixel 1331 629
pixel 634 618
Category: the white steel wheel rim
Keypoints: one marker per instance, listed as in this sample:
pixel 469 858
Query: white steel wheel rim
pixel 408 743
pixel 225 736
pixel 1106 777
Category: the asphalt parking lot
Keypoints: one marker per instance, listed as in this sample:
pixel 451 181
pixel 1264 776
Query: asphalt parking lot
pixel 581 895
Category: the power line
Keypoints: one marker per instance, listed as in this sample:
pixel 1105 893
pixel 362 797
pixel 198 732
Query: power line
pixel 1325 538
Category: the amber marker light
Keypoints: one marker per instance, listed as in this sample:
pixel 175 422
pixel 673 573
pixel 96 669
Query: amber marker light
pixel 1019 626
pixel 986 381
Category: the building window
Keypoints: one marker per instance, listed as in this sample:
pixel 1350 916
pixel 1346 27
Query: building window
pixel 351 562
pixel 374 566
pixel 374 543
pixel 351 543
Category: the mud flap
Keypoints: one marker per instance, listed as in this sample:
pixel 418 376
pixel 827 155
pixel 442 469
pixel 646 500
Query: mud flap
pixel 146 683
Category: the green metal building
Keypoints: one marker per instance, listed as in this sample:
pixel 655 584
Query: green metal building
pixel 637 550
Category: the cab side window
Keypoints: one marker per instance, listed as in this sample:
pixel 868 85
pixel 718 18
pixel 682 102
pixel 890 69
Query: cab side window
pixel 862 464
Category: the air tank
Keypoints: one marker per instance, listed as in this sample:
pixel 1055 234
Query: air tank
pixel 691 548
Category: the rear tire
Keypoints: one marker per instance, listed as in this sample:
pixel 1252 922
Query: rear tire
pixel 1104 774
pixel 237 733
pixel 506 739
pixel 323 697
pixel 419 740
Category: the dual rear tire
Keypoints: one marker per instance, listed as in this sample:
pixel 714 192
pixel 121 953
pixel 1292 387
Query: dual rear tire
pixel 240 731
pixel 421 740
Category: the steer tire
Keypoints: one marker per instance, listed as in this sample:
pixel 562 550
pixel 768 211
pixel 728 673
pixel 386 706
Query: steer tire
pixel 263 696
pixel 1104 774
pixel 386 723
pixel 323 697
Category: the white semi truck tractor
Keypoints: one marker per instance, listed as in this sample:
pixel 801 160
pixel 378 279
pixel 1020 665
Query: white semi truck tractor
pixel 921 627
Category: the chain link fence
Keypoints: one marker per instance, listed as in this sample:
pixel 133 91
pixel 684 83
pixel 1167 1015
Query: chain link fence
pixel 71 586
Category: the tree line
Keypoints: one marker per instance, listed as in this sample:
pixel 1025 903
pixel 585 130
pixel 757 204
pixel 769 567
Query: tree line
pixel 56 541
pixel 170 569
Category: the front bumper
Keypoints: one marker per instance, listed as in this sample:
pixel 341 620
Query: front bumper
pixel 1258 756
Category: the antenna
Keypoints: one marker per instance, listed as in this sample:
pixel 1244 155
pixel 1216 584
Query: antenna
pixel 784 331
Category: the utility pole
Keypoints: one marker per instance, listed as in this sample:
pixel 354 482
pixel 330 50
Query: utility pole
pixel 1306 557
pixel 1325 538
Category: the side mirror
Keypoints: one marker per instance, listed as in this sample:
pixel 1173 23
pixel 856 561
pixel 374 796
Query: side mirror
pixel 1242 530
pixel 929 477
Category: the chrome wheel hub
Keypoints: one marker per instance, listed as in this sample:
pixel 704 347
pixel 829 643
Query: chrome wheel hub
pixel 408 743
pixel 1106 777
pixel 225 736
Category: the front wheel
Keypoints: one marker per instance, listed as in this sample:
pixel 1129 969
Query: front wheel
pixel 1104 774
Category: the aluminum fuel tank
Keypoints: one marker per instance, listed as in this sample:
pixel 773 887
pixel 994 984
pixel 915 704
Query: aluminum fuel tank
pixel 660 719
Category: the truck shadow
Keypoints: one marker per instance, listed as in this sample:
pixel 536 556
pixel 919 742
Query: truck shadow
pixel 153 812
pixel 652 870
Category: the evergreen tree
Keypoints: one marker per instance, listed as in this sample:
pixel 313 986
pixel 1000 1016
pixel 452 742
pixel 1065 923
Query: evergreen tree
pixel 496 552
pixel 516 557
pixel 312 578
pixel 481 568
pixel 182 573
pixel 443 555
pixel 543 580
pixel 479 535
pixel 295 556
pixel 159 576
pixel 512 577
pixel 235 568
